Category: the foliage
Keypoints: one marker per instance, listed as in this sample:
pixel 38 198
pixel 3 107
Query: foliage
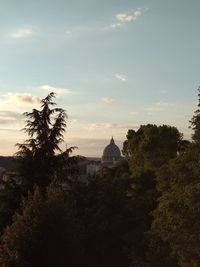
pixel 10 198
pixel 44 233
pixel 9 163
pixel 144 212
pixel 106 215
pixel 178 213
pixel 158 252
pixel 195 123
pixel 146 150
pixel 91 224
pixel 41 158
pixel 151 146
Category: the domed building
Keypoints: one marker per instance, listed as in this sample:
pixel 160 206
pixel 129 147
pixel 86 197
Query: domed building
pixel 111 155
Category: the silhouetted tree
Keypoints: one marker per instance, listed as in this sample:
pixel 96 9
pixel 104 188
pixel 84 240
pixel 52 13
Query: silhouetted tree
pixel 10 198
pixel 106 214
pixel 41 157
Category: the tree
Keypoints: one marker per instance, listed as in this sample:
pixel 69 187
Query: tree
pixel 151 146
pixel 176 218
pixel 41 158
pixel 195 123
pixel 146 150
pixel 44 233
pixel 106 214
pixel 10 198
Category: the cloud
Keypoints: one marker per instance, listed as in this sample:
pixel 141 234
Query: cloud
pixel 133 113
pixel 7 117
pixel 120 77
pixel 108 125
pixel 159 106
pixel 123 18
pixel 22 33
pixel 57 90
pixel 153 109
pixel 163 104
pixel 28 98
pixel 107 100
pixel 17 102
pixel 25 97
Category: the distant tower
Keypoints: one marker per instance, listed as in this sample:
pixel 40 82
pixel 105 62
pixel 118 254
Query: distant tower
pixel 111 155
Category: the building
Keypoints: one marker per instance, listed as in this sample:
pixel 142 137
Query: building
pixel 111 155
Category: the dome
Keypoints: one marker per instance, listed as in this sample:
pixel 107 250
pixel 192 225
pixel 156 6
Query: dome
pixel 112 150
pixel 111 155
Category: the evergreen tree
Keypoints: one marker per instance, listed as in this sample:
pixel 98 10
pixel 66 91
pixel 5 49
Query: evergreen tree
pixel 41 158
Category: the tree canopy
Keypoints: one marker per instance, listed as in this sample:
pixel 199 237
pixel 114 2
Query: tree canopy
pixel 176 218
pixel 151 146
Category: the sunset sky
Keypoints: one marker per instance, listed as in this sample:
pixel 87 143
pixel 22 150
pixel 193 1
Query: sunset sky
pixel 114 64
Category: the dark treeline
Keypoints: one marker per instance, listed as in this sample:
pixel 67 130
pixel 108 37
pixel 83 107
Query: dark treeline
pixel 144 212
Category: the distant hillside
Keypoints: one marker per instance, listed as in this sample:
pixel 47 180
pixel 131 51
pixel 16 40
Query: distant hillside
pixel 9 163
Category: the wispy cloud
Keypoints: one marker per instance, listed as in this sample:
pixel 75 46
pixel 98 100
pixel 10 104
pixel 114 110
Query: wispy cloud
pixel 164 104
pixel 159 106
pixel 107 100
pixel 22 33
pixel 8 117
pixel 108 125
pixel 123 18
pixel 17 102
pixel 24 97
pixel 120 77
pixel 57 90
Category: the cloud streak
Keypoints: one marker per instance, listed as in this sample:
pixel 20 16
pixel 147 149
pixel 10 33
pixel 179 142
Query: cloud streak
pixel 17 102
pixel 57 90
pixel 28 98
pixel 7 117
pixel 120 77
pixel 107 100
pixel 22 33
pixel 108 125
pixel 159 106
pixel 123 18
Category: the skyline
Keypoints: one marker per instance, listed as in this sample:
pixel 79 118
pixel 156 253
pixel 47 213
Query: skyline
pixel 114 65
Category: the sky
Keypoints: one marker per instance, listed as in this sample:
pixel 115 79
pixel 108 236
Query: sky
pixel 113 64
